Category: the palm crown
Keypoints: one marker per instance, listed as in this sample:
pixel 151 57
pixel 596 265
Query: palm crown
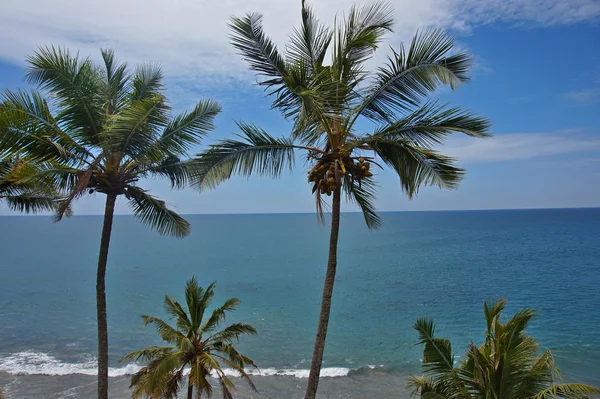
pixel 102 129
pixel 325 102
pixel 196 343
pixel 507 365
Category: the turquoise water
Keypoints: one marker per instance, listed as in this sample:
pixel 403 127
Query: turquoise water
pixel 437 264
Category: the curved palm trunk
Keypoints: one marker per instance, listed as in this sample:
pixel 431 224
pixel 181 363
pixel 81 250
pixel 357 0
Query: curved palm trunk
pixel 317 358
pixel 109 211
pixel 190 392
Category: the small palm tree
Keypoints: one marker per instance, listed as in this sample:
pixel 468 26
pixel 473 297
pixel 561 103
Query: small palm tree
pixel 102 129
pixel 347 120
pixel 506 366
pixel 20 193
pixel 195 344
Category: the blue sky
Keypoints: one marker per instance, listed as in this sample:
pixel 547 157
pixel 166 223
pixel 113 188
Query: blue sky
pixel 536 76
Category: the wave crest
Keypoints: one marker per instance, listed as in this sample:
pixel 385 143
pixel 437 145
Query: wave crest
pixel 35 363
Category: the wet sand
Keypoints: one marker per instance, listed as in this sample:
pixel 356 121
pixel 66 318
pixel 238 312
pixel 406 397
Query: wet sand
pixel 374 385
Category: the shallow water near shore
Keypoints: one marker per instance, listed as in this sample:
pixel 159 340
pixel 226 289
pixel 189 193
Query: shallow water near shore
pixel 437 264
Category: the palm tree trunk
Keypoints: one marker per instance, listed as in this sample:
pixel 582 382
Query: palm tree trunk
pixel 190 389
pixel 109 211
pixel 317 358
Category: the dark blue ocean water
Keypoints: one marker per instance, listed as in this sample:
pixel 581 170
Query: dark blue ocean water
pixel 437 264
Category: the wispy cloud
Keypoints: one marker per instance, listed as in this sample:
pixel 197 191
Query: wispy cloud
pixel 521 146
pixel 189 37
pixel 586 96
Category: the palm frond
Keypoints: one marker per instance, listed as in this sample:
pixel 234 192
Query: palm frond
pixel 178 172
pixel 416 166
pixel 230 333
pixel 257 153
pixel 432 123
pixel 115 82
pixel 218 315
pixel 154 212
pixel 239 367
pixel 309 44
pixel 363 194
pixel 83 180
pixel 137 126
pixel 73 84
pixel 187 129
pixel 166 332
pixel 197 300
pixel 248 37
pixel 147 354
pixel 146 82
pixel 28 127
pixel 437 353
pixel 410 75
pixel 569 391
pixel 491 311
pixel 29 203
pixel 174 309
pixel 364 30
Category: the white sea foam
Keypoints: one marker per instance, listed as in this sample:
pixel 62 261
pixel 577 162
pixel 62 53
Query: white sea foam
pixel 35 363
pixel 31 363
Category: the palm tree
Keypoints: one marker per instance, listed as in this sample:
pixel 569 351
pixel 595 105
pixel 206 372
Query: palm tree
pixel 24 195
pixel 507 365
pixel 196 344
pixel 102 129
pixel 345 117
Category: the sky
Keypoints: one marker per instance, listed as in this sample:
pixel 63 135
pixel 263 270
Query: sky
pixel 536 75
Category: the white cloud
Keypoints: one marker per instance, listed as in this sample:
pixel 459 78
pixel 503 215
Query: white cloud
pixel 189 37
pixel 585 96
pixel 521 146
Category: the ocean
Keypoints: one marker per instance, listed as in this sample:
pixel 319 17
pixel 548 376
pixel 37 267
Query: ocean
pixel 442 265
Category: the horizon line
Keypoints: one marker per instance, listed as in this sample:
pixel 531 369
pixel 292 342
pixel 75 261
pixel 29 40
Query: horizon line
pixel 314 213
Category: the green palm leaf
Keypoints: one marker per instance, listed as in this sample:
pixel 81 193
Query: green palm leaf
pixel 309 44
pixel 258 50
pixel 437 354
pixel 187 129
pixel 569 391
pixel 431 124
pixel 28 128
pixel 74 84
pixel 115 82
pixel 135 129
pixel 363 31
pixel 257 153
pixel 410 75
pixel 146 83
pixel 363 194
pixel 29 203
pixel 416 166
pixel 155 213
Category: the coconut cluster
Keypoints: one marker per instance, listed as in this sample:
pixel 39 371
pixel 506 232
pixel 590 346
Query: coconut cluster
pixel 327 175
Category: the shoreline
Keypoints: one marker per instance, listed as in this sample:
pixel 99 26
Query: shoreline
pixel 370 385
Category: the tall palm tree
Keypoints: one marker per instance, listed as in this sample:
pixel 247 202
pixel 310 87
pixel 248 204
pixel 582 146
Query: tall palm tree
pixel 196 344
pixel 20 193
pixel 102 129
pixel 506 366
pixel 347 119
